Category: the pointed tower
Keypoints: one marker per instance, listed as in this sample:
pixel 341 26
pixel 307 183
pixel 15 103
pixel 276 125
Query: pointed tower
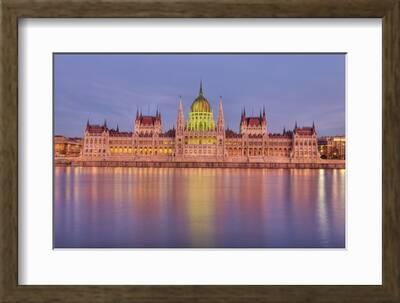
pixel 221 121
pixel 180 120
pixel 201 88
pixel 264 121
pixel 242 125
pixel 136 123
pixel 221 131
pixel 180 128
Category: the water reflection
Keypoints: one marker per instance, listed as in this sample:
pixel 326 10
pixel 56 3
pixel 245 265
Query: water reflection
pixel 167 207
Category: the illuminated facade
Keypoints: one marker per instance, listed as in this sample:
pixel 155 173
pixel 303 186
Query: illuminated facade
pixel 332 147
pixel 67 147
pixel 200 138
pixel 200 115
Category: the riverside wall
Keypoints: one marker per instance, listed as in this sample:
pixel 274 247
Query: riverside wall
pixel 320 164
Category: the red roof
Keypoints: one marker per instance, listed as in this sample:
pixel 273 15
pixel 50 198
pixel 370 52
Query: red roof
pixel 305 131
pixel 114 133
pixel 95 129
pixel 285 135
pixel 231 134
pixel 253 121
pixel 148 120
pixel 169 133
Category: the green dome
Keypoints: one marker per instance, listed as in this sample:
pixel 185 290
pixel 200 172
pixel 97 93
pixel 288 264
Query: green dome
pixel 200 104
pixel 200 115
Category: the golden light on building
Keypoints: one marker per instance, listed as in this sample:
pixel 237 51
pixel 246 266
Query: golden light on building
pixel 333 147
pixel 200 138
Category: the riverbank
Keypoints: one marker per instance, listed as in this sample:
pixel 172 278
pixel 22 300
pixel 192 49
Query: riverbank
pixel 321 164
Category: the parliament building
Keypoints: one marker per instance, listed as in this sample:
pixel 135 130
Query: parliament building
pixel 200 138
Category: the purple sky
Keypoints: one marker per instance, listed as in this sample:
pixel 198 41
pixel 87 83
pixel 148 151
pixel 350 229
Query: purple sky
pixel 305 88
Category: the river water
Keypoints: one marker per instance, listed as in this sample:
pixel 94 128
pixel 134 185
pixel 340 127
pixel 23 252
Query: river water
pixel 198 208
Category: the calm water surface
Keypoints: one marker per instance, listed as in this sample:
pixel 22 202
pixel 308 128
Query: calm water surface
pixel 169 207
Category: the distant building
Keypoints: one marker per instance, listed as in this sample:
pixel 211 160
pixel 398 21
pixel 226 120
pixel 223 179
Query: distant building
pixel 333 147
pixel 201 138
pixel 67 147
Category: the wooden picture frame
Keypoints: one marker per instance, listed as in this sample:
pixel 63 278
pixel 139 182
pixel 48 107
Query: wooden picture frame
pixel 12 10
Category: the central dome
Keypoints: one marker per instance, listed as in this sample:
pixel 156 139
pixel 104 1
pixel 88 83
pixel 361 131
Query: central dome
pixel 200 104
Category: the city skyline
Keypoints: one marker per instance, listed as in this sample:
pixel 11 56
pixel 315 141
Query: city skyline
pixel 97 87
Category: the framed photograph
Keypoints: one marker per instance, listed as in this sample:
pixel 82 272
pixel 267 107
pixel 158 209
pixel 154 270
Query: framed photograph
pixel 185 178
pixel 200 151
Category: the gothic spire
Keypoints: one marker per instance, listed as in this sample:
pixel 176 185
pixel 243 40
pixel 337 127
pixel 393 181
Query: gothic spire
pixel 105 123
pixel 180 120
pixel 220 121
pixel 201 88
pixel 180 105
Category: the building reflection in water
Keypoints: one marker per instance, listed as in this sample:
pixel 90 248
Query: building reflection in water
pixel 168 207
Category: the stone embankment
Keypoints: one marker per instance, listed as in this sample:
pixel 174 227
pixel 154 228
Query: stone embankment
pixel 321 164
